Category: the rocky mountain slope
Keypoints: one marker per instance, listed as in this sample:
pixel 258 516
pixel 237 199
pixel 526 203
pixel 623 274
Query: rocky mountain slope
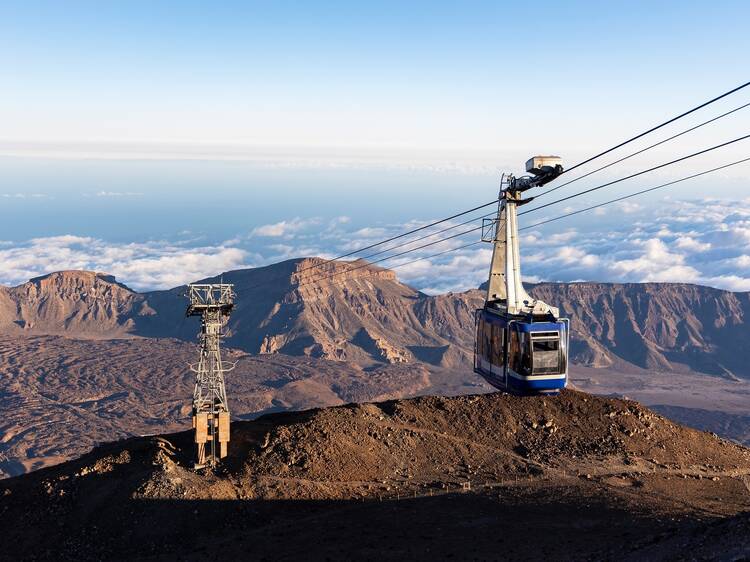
pixel 365 315
pixel 658 326
pixel 62 396
pixel 368 316
pixel 571 477
pixel 73 303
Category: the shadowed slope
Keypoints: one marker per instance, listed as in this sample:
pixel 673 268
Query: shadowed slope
pixel 467 477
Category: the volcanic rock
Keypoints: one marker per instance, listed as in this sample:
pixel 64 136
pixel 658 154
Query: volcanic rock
pixel 463 478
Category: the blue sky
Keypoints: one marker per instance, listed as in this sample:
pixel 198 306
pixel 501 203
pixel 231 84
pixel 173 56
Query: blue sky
pixel 182 128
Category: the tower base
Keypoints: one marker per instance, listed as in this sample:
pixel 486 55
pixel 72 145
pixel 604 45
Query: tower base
pixel 209 430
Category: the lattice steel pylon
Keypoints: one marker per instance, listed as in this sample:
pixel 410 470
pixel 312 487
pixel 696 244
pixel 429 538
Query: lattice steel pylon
pixel 213 303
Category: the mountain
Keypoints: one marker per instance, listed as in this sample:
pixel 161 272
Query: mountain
pixel 572 477
pixel 84 359
pixel 73 303
pixel 656 326
pixel 366 315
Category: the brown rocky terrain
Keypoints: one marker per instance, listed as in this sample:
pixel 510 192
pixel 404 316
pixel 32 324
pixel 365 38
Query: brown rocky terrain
pixel 367 315
pixel 658 326
pixel 572 477
pixel 72 303
pixel 62 396
pixel 83 359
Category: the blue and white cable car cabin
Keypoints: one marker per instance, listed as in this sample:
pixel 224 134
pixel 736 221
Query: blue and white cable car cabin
pixel 521 343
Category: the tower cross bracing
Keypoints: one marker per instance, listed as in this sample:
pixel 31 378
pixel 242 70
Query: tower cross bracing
pixel 213 303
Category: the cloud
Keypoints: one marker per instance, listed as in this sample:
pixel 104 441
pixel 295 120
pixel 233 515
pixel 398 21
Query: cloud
pixel 278 229
pixel 61 241
pixel 628 207
pixel 728 282
pixel 682 241
pixel 370 232
pixel 285 228
pixel 691 244
pixel 664 244
pixel 24 195
pixel 118 194
pixel 685 241
pixel 151 265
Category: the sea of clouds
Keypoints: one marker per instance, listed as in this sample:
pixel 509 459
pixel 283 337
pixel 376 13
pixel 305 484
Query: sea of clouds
pixel 702 241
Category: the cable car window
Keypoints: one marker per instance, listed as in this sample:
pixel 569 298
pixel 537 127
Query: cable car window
pixel 480 337
pixel 513 351
pixel 503 343
pixel 524 341
pixel 497 345
pixel 546 345
pixel 487 341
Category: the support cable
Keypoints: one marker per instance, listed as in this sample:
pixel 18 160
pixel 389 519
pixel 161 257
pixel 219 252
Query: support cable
pixel 704 151
pixel 426 236
pixel 652 129
pixel 393 238
pixel 644 149
pixel 436 255
pixel 636 194
pixel 463 233
pixel 368 264
pixel 471 244
pixel 402 235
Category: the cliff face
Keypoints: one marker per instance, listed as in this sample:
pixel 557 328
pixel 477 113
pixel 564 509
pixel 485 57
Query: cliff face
pixel 365 314
pixel 79 303
pixel 362 314
pixel 663 326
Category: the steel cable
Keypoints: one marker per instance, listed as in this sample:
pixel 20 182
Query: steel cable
pixel 652 129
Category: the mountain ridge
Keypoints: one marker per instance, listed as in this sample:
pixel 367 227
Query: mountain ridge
pixel 300 345
pixel 367 315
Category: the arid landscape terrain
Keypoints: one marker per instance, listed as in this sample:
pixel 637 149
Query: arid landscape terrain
pixel 85 360
pixel 291 281
pixel 466 477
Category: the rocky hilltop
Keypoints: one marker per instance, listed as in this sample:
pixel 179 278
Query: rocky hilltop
pixel 465 478
pixel 364 314
pixel 75 303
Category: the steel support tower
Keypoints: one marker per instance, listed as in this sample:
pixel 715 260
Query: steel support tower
pixel 213 303
pixel 505 290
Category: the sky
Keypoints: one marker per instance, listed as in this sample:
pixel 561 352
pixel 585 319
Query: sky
pixel 167 141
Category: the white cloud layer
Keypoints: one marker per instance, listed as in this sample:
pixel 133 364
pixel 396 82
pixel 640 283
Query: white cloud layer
pixel 287 229
pixel 703 242
pixel 151 265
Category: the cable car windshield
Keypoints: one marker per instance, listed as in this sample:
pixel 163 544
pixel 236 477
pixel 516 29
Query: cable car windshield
pixel 548 358
pixel 549 345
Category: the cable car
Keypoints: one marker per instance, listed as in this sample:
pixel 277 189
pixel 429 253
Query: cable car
pixel 521 356
pixel 521 343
